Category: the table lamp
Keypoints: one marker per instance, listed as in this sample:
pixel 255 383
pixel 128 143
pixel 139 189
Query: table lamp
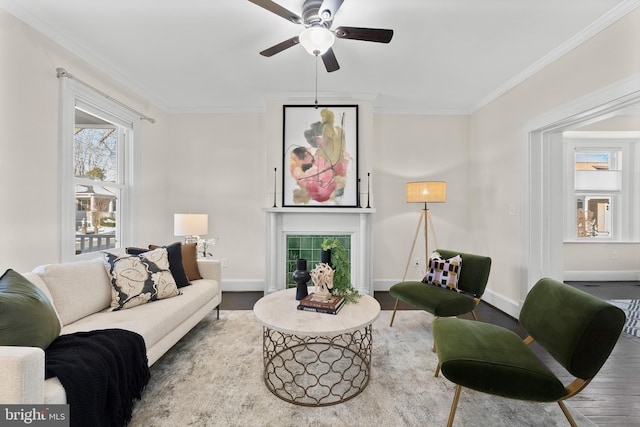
pixel 191 226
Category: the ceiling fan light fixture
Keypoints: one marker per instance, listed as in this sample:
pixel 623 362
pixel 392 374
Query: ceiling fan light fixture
pixel 316 40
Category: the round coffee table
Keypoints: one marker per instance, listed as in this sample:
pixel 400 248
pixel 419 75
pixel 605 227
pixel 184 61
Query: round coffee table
pixel 315 359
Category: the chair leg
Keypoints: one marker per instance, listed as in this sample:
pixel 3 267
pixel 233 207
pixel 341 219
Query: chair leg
pixel 567 414
pixel 393 316
pixel 473 313
pixel 454 405
pixel 437 370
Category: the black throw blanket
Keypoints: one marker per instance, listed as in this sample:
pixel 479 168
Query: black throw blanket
pixel 102 371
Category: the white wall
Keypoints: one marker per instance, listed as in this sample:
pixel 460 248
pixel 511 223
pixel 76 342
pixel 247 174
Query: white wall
pixel 417 148
pixel 498 148
pixel 218 167
pixel 29 133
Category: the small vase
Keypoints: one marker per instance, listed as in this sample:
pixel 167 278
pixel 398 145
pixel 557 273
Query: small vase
pixel 325 256
pixel 301 276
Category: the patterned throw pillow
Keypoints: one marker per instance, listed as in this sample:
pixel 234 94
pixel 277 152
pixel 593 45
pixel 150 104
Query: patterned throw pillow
pixel 444 272
pixel 139 279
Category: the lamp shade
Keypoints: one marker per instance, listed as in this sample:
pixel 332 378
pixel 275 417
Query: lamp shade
pixel 190 224
pixel 316 40
pixel 427 192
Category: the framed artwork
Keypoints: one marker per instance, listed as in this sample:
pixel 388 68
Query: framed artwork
pixel 320 156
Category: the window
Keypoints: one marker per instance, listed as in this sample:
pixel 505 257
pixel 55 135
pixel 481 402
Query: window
pixel 597 185
pixel 97 173
pixel 599 181
pixel 97 156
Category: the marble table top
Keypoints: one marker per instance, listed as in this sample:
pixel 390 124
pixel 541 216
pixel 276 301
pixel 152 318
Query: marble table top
pixel 279 311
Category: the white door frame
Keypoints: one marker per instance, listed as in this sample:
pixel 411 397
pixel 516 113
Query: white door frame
pixel 542 201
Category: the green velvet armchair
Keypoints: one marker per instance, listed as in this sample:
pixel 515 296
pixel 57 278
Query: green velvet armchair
pixel 577 329
pixel 442 302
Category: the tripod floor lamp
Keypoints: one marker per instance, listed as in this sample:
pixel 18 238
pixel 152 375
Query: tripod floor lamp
pixel 424 192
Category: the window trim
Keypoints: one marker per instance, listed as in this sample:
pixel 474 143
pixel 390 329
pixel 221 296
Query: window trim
pixel 75 94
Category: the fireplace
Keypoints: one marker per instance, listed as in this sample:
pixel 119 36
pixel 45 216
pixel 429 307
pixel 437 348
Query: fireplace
pixel 353 225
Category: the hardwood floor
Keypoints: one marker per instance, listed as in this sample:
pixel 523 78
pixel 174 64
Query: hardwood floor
pixel 612 398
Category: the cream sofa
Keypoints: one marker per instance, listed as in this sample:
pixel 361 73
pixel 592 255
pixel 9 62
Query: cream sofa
pixel 81 294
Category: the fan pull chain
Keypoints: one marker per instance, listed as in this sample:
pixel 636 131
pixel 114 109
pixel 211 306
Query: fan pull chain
pixel 316 82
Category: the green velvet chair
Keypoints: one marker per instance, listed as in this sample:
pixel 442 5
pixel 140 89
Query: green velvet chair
pixel 442 302
pixel 577 329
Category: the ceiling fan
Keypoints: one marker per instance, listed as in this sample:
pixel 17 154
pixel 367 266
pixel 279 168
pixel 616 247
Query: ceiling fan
pixel 317 37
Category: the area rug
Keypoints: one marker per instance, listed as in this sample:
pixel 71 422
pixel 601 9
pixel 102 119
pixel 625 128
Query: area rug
pixel 631 308
pixel 213 377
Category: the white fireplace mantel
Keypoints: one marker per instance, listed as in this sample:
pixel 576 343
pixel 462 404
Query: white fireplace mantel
pixel 356 222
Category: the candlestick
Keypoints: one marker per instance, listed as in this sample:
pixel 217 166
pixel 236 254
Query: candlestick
pixel 368 194
pixel 275 178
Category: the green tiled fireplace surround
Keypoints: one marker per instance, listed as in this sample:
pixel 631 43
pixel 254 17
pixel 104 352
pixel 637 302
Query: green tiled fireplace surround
pixel 307 246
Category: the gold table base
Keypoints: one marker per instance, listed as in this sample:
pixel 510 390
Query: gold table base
pixel 317 371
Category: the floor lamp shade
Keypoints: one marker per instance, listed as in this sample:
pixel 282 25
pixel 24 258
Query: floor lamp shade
pixel 427 192
pixel 190 224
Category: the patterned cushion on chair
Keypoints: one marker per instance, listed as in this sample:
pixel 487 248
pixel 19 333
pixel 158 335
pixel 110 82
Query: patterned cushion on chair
pixel 443 272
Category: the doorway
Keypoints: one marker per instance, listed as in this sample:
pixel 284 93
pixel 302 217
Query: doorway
pixel 543 195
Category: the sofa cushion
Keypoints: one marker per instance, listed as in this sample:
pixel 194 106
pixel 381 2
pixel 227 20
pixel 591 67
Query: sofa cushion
pixel 78 288
pixel 190 261
pixel 437 301
pixel 153 321
pixel 443 272
pixel 494 360
pixel 139 279
pixel 27 317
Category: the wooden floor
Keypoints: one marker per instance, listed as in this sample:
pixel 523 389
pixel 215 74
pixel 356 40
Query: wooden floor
pixel 612 398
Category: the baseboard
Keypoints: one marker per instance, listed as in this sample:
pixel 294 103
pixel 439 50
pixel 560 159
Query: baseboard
pixel 383 285
pixel 504 304
pixel 242 285
pixel 601 276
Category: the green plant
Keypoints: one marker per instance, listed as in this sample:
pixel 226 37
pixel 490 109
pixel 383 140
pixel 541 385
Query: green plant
pixel 342 266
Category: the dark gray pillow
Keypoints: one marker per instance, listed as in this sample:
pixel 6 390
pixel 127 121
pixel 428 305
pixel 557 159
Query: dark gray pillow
pixel 27 317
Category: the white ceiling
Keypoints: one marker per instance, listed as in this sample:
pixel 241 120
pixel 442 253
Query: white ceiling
pixel 446 56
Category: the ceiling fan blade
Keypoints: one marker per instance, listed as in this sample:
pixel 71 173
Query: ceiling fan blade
pixel 329 8
pixel 280 47
pixel 278 10
pixel 377 35
pixel 330 61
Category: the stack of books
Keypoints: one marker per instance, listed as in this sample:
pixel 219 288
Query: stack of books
pixel 330 304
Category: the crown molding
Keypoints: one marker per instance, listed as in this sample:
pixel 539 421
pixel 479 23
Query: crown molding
pixel 606 20
pixel 103 67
